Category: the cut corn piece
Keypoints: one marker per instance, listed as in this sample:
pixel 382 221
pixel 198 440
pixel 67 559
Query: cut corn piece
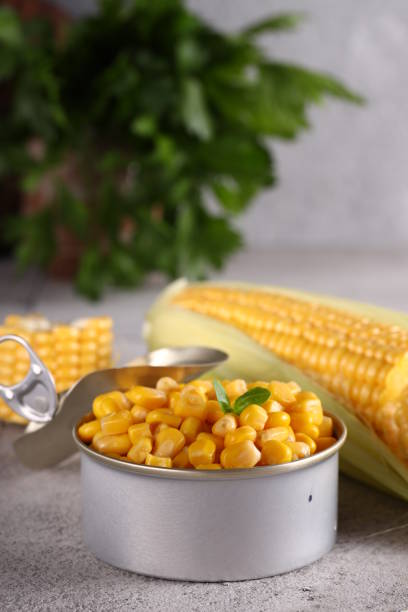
pixel 59 346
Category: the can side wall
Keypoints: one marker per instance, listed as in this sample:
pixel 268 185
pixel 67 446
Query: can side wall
pixel 209 530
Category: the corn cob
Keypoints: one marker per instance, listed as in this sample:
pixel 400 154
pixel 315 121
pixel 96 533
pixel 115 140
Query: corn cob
pixel 355 357
pixel 68 351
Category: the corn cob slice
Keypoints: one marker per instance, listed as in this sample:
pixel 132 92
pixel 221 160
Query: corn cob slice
pixel 68 351
pixel 354 356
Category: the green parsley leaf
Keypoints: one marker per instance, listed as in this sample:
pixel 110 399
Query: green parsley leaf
pixel 257 395
pixel 222 397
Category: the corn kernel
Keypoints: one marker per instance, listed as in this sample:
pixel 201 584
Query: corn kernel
pixel 102 406
pixel 164 462
pixel 190 428
pixel 282 392
pixel 241 455
pixel 169 443
pixel 86 431
pixel 238 435
pixel 208 466
pixel 235 388
pixel 275 452
pixel 147 397
pixel 273 433
pixel 225 424
pixel 325 442
pixel 158 427
pixel 163 415
pixel 139 414
pixel 167 384
pixel 141 430
pixel 201 452
pixel 326 427
pixel 140 449
pixel 181 460
pixel 254 416
pixel 218 441
pixel 192 402
pixel 214 411
pixel 300 450
pixel 119 444
pixel 272 406
pixel 116 423
pixel 278 419
pixel 302 437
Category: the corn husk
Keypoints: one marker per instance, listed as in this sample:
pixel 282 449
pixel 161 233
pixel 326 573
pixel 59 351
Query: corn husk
pixel 364 456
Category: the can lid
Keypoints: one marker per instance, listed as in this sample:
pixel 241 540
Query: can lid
pixel 237 474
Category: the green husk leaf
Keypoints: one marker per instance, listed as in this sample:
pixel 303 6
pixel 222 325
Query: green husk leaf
pixel 364 455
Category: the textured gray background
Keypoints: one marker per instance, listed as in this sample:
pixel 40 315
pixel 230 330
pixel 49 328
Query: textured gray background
pixel 344 183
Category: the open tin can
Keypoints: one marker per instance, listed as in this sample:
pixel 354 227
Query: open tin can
pixel 197 525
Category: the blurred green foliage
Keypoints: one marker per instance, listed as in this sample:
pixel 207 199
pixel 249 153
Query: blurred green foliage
pixel 158 113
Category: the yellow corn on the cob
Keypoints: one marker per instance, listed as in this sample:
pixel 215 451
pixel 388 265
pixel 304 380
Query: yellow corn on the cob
pixel 354 356
pixel 68 351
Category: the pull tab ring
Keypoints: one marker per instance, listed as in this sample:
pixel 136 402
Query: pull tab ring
pixel 35 397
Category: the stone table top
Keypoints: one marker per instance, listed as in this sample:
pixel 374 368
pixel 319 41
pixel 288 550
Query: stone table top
pixel 45 566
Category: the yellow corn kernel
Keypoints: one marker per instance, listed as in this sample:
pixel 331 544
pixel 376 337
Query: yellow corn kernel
pixel 201 452
pixel 238 435
pixel 140 449
pixel 164 462
pixel 96 437
pixel 272 406
pixel 302 437
pixel 301 420
pixel 218 441
pixel 214 411
pixel 86 431
pixel 158 427
pixel 273 433
pixel 147 397
pixel 241 455
pixel 325 442
pixel 254 416
pixel 102 406
pixel 174 398
pixel 190 428
pixel 163 415
pixel 208 466
pixel 326 427
pixel 282 392
pixel 139 414
pixel 300 450
pixel 278 419
pixel 169 443
pixel 116 423
pixel 119 444
pixel 275 452
pixel 226 423
pixel 167 384
pixel 120 399
pixel 311 430
pixel 205 386
pixel 309 403
pixel 192 402
pixel 235 388
pixel 141 430
pixel 181 460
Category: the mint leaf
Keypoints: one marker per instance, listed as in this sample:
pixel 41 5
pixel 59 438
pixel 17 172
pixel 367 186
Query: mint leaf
pixel 257 395
pixel 222 397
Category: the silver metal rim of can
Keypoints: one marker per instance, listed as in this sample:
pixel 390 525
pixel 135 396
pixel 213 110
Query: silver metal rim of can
pixel 237 474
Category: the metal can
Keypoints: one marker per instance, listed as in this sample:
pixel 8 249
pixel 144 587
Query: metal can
pixel 210 526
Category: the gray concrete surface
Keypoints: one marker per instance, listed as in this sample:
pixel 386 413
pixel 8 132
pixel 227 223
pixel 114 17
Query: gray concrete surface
pixel 45 566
